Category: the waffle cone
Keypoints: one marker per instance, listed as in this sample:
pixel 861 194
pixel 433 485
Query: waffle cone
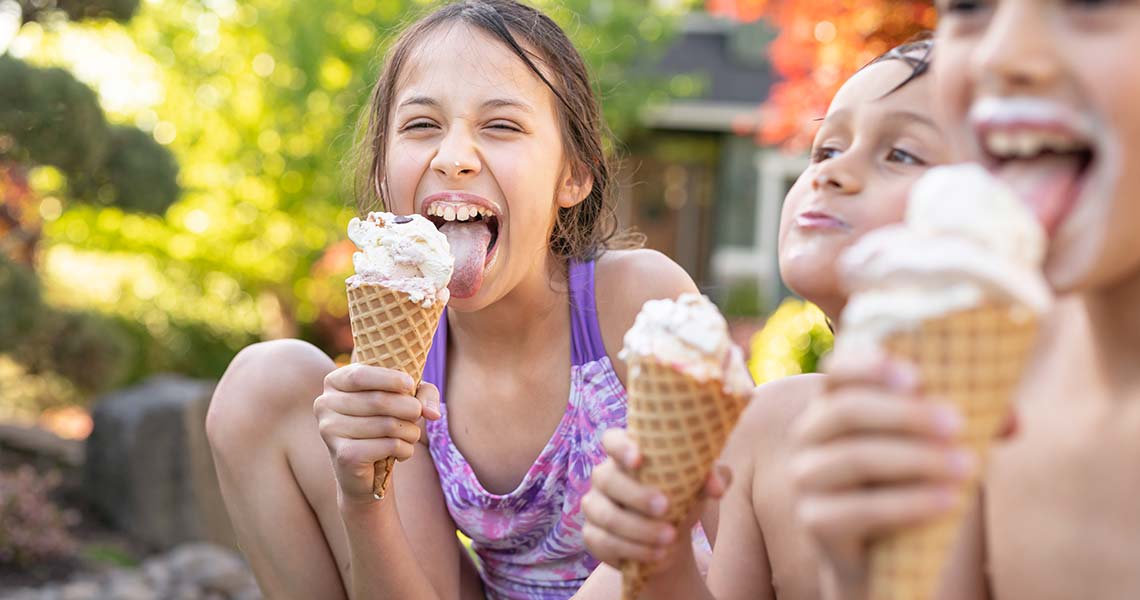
pixel 681 425
pixel 974 360
pixel 390 330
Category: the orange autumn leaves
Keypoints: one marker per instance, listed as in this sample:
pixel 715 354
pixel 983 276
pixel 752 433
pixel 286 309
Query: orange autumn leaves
pixel 820 44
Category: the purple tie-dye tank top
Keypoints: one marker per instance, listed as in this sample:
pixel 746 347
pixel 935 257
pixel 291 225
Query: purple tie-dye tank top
pixel 529 541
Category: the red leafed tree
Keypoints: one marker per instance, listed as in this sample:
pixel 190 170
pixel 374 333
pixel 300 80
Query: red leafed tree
pixel 820 44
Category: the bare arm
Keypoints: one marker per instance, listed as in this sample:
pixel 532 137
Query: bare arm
pixel 386 561
pixel 740 567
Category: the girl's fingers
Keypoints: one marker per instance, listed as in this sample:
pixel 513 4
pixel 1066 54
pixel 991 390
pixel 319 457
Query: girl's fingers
pixel 717 484
pixel 606 515
pixel 370 404
pixel 861 412
pixel 849 463
pixel 621 447
pixel 870 366
pixel 365 378
pixel 623 489
pixel 357 457
pixel 428 396
pixel 370 428
pixel 614 550
pixel 850 518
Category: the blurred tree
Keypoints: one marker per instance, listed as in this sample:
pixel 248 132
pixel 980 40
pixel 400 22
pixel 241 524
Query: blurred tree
pixel 48 118
pixel 258 100
pixel 821 44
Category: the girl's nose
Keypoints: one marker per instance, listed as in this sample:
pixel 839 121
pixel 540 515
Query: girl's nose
pixel 1017 53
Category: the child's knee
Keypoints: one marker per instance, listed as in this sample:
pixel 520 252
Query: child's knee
pixel 265 382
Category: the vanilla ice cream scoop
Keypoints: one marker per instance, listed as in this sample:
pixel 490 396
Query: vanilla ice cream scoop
pixel 691 335
pixel 405 253
pixel 967 240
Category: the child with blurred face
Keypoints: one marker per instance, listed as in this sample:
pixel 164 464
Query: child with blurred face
pixel 878 137
pixel 1043 93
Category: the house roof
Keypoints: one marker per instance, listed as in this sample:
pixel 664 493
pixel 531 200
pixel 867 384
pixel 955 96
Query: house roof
pixel 729 58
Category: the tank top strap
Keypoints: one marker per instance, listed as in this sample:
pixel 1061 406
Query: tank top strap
pixel 435 367
pixel 585 334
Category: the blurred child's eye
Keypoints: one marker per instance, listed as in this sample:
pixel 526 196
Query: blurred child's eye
pixel 961 6
pixel 1093 4
pixel 823 153
pixel 904 157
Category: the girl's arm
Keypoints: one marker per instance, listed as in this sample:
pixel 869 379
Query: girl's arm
pixel 405 546
pixel 740 566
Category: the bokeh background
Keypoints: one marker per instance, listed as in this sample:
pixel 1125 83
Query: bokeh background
pixel 173 188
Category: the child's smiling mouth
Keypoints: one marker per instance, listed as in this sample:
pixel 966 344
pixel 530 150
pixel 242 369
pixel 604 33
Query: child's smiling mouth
pixel 1044 151
pixel 471 224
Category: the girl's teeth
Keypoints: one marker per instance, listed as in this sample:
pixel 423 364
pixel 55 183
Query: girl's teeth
pixel 449 214
pixel 463 213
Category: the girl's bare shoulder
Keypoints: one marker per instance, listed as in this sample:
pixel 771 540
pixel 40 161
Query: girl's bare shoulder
pixel 623 281
pixel 776 405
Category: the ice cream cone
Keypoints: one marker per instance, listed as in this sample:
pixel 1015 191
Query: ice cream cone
pixel 681 425
pixel 974 360
pixel 390 330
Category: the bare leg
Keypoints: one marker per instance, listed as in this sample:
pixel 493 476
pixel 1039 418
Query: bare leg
pixel 275 474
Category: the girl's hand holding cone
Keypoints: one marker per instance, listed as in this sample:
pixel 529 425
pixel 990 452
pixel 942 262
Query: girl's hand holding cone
pixel 367 415
pixel 625 519
pixel 873 456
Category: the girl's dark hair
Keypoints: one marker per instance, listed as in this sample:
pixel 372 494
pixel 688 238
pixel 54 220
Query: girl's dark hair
pixel 916 53
pixel 581 231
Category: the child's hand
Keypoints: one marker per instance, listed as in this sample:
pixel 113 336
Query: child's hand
pixel 871 456
pixel 624 517
pixel 365 415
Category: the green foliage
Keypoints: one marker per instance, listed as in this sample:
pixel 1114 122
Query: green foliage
pixel 33 529
pixel 110 555
pixel 90 350
pixel 139 174
pixel 20 304
pixel 742 300
pixel 53 118
pixel 260 100
pixel 792 342
pixel 76 10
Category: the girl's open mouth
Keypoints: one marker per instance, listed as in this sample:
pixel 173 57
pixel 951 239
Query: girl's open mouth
pixel 471 224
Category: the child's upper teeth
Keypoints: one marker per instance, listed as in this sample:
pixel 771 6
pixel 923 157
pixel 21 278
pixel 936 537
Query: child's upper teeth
pixel 460 212
pixel 1028 144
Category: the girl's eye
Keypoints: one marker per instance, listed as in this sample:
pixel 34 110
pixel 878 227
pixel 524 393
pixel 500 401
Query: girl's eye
pixel 904 157
pixel 504 126
pixel 418 125
pixel 824 153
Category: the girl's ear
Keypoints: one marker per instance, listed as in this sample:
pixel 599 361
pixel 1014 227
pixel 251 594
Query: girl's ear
pixel 574 187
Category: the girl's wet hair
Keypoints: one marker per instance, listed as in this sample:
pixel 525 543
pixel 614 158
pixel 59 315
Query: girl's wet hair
pixel 916 53
pixel 581 231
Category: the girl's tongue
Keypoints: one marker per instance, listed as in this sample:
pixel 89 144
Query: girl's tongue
pixel 469 243
pixel 1049 185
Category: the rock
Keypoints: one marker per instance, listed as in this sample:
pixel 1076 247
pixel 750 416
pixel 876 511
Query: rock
pixel 158 575
pixel 128 585
pixel 81 590
pixel 149 468
pixel 23 594
pixel 212 569
pixel 41 444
